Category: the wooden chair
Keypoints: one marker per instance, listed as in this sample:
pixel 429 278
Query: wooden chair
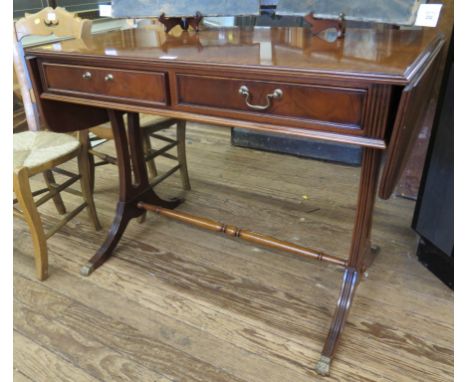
pixel 151 127
pixel 38 150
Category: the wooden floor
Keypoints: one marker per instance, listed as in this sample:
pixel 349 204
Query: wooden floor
pixel 178 304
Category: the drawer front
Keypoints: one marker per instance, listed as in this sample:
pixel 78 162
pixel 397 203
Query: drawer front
pixel 147 88
pixel 334 108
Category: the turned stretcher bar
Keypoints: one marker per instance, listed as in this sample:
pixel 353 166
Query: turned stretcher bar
pixel 233 231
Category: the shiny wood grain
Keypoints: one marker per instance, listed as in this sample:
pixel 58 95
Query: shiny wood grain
pixel 380 54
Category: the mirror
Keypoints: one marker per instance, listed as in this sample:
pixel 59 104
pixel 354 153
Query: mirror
pixel 184 8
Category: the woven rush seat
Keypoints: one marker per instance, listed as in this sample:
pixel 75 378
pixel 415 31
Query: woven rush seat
pixel 33 149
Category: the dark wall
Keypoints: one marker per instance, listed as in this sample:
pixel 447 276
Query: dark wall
pixel 435 206
pixel 434 213
pixel 20 7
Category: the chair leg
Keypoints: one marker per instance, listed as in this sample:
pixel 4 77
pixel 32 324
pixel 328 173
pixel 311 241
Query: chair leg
pixel 23 193
pixel 83 136
pixel 150 164
pixel 50 180
pixel 84 169
pixel 181 155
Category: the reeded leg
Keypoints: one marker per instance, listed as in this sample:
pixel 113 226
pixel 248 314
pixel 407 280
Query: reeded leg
pixel 361 255
pixel 57 199
pixel 133 185
pixel 24 195
pixel 181 154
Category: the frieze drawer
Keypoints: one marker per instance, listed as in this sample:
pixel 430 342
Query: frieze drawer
pixel 139 87
pixel 333 108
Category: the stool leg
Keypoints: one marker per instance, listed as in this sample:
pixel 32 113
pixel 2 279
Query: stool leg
pixel 150 164
pixel 85 179
pixel 23 193
pixel 85 142
pixel 50 180
pixel 181 155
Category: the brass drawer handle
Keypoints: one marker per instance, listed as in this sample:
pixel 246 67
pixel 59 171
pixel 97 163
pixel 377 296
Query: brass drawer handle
pixel 244 90
pixel 87 75
pixel 109 77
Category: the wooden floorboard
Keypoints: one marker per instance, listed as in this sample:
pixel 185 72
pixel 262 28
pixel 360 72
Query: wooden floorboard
pixel 179 304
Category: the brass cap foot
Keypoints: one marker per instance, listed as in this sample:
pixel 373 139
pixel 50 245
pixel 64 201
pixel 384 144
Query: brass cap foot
pixel 323 365
pixel 87 269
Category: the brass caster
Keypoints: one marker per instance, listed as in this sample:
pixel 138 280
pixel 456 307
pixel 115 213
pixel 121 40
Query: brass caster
pixel 87 269
pixel 323 366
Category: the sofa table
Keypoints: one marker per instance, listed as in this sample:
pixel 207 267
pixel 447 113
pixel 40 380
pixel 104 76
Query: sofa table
pixel 369 89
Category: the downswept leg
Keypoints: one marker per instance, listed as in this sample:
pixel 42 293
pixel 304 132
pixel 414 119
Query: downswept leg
pixel 132 189
pixel 360 257
pixel 348 287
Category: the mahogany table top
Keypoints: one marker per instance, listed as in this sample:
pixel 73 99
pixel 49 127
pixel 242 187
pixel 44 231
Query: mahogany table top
pixel 376 54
